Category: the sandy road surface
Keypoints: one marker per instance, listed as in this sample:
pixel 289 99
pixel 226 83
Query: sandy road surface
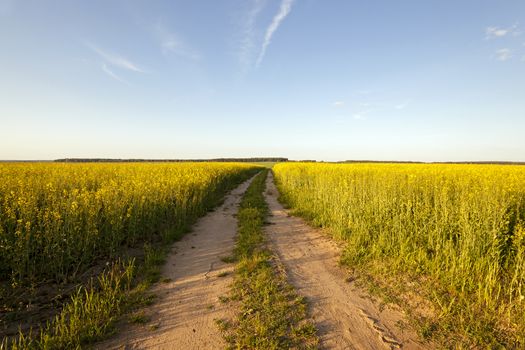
pixel 344 316
pixel 187 306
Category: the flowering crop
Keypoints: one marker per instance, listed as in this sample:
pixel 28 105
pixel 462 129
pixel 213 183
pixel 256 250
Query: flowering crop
pixel 56 219
pixel 460 226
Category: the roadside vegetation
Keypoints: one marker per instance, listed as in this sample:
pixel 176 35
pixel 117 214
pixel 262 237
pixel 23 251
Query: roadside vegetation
pixel 272 315
pixel 81 243
pixel 447 242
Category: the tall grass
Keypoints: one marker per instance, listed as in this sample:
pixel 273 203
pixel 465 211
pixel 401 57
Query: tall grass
pixel 458 228
pixel 86 317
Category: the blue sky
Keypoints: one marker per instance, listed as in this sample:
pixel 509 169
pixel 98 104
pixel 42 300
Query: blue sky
pixel 304 79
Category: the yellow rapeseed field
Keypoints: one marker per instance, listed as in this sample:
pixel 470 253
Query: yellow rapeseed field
pixel 457 229
pixel 58 218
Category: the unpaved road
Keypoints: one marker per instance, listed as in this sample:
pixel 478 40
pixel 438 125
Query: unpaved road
pixel 183 315
pixel 344 316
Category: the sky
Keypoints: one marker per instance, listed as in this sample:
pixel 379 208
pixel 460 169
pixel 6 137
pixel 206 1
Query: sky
pixel 436 80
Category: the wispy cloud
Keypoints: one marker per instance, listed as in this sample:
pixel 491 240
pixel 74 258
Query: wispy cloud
pixel 366 110
pixel 362 113
pixel 512 41
pixel 402 105
pixel 247 41
pixel 173 43
pixel 116 60
pixel 112 74
pixel 498 32
pixel 284 10
pixel 494 32
pixel 503 54
pixel 338 104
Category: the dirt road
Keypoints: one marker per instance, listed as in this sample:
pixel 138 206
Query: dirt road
pixel 183 317
pixel 344 316
pixel 187 305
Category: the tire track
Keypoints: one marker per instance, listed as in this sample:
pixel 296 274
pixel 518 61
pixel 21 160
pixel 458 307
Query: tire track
pixel 184 314
pixel 346 317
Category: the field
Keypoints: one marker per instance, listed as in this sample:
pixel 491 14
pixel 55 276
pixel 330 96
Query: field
pixel 451 234
pixel 81 244
pixel 58 222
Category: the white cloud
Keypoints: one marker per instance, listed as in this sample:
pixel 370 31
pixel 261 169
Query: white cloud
pixel 172 43
pixel 493 32
pixel 503 54
pixel 247 40
pixel 284 10
pixel 112 74
pixel 116 60
pixel 361 114
pixel 497 32
pixel 338 104
pixel 402 105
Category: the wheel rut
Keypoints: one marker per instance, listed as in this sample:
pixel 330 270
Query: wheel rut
pixel 345 316
pixel 187 305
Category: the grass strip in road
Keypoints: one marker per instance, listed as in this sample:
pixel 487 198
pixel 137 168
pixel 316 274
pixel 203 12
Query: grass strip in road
pixel 272 315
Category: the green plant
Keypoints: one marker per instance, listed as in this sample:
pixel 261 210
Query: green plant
pixel 457 231
pixel 272 316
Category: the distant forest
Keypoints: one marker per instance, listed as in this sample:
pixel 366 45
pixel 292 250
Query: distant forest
pixel 416 162
pixel 250 160
pixel 113 160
